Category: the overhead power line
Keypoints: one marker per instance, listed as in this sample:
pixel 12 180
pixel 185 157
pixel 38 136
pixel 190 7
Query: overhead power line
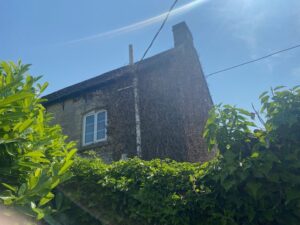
pixel 254 60
pixel 135 83
pixel 159 30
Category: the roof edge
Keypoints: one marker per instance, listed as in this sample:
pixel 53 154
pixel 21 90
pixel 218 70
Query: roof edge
pixel 100 80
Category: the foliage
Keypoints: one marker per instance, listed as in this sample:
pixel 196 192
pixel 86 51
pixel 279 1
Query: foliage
pixel 258 180
pixel 135 191
pixel 34 157
pixel 254 179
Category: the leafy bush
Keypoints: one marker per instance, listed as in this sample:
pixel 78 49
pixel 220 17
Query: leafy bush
pixel 258 175
pixel 135 191
pixel 254 179
pixel 34 157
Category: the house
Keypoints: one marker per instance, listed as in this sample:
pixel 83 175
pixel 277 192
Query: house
pixel 156 108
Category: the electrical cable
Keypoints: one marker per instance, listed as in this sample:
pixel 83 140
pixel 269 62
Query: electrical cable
pixel 159 30
pixel 252 61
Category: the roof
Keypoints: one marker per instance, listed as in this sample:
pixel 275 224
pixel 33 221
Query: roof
pixel 103 79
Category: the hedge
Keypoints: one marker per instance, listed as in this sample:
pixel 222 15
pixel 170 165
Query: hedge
pixel 254 178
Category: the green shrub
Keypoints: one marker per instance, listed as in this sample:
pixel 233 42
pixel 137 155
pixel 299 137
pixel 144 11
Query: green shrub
pixel 34 157
pixel 254 179
pixel 258 180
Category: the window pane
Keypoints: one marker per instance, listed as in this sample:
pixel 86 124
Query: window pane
pixel 101 125
pixel 101 116
pixel 89 119
pixel 89 129
pixel 101 134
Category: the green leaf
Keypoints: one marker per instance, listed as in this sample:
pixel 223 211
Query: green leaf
pixel 70 154
pixel 255 155
pixel 65 167
pixel 44 86
pixel 55 183
pixel 39 212
pixel 278 87
pixel 23 126
pixel 7 197
pixel 263 94
pixel 244 112
pixel 14 98
pixel 34 178
pixel 34 154
pixel 14 189
pixel 46 199
pixel 22 189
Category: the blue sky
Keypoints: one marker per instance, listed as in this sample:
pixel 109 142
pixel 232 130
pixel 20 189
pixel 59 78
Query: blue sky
pixel 54 36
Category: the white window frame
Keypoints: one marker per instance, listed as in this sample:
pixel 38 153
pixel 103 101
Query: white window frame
pixel 95 113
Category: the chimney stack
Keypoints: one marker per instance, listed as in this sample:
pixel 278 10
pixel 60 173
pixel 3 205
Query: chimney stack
pixel 131 60
pixel 182 34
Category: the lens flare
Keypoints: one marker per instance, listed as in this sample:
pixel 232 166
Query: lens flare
pixel 141 24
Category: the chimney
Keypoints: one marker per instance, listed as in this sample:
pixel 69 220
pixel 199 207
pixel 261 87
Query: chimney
pixel 131 60
pixel 182 34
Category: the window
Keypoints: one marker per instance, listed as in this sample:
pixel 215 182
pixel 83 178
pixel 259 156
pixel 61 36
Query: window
pixel 94 127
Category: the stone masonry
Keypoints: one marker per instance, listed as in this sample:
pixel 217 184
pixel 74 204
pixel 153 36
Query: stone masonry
pixel 173 103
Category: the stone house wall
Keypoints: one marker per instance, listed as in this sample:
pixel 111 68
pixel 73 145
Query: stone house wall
pixel 174 101
pixel 174 104
pixel 120 112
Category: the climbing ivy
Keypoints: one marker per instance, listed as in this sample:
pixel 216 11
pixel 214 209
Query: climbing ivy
pixel 254 178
